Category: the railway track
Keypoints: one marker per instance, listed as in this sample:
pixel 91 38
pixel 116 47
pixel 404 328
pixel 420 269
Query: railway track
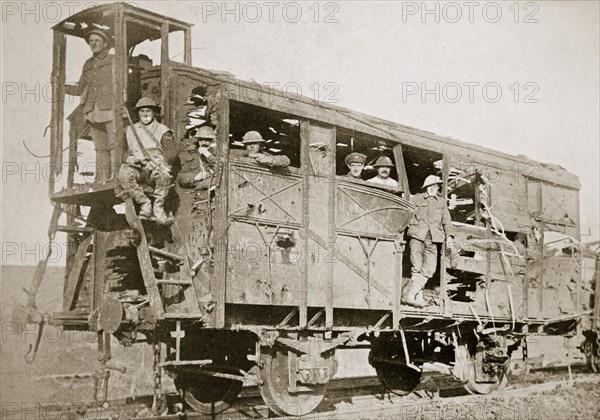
pixel 362 397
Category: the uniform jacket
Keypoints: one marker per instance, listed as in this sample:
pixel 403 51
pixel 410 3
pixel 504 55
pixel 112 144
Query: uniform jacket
pixel 153 136
pixel 96 83
pixel 431 216
pixel 191 164
pixel 388 182
pixel 274 161
pixel 349 175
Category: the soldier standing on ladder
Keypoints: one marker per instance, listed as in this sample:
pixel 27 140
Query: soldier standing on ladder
pixel 95 88
pixel 151 149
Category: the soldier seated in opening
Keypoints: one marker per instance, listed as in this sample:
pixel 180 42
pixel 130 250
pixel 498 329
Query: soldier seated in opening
pixel 430 225
pixel 198 160
pixel 384 166
pixel 151 153
pixel 255 150
pixel 356 164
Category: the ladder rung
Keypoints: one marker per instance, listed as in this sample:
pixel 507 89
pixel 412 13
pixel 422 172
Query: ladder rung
pixel 165 254
pixel 175 282
pixel 75 229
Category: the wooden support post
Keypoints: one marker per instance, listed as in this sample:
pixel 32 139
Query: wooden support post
pixel 187 51
pixel 447 309
pixel 165 74
pixel 306 173
pixel 398 282
pixel 578 272
pixel 120 85
pixel 219 278
pixel 401 170
pixel 331 230
pixel 488 236
pixel 57 114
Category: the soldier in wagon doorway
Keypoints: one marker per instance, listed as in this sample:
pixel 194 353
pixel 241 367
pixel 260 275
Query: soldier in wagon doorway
pixel 430 226
pixel 384 167
pixel 254 144
pixel 95 89
pixel 151 154
pixel 356 163
pixel 198 160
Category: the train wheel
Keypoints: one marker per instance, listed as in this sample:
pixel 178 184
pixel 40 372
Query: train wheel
pixel 208 394
pixel 274 387
pixel 398 379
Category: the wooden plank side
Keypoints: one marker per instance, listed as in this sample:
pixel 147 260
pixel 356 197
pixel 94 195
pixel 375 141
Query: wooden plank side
pixel 264 96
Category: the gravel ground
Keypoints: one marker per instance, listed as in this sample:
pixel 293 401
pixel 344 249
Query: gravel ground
pixel 579 401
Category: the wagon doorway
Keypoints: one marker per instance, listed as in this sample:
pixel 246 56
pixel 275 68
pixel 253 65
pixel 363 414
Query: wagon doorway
pixel 418 164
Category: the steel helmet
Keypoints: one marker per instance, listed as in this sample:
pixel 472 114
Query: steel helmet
pixel 98 32
pixel 146 103
pixel 431 180
pixel 205 132
pixel 383 161
pixel 252 137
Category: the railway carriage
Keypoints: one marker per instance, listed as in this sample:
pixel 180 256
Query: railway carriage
pixel 263 275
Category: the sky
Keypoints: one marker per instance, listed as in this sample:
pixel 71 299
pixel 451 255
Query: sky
pixel 518 77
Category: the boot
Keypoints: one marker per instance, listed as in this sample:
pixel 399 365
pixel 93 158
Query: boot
pixel 413 289
pixel 103 163
pixel 137 193
pixel 421 298
pixel 146 209
pixel 159 203
pixel 420 282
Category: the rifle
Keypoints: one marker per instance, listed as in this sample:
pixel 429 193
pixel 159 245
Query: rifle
pixel 157 165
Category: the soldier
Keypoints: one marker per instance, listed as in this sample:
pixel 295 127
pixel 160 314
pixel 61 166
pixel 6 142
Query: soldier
pixel 384 166
pixel 356 163
pixel 429 226
pixel 254 149
pixel 151 151
pixel 198 160
pixel 95 88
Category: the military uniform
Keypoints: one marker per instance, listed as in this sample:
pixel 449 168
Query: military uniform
pixel 268 160
pixel 95 88
pixel 154 172
pixel 386 182
pixel 430 225
pixel 193 163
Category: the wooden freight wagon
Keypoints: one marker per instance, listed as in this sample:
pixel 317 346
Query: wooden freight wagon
pixel 264 273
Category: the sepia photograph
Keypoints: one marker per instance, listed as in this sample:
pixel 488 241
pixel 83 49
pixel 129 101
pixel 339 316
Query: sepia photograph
pixel 308 209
